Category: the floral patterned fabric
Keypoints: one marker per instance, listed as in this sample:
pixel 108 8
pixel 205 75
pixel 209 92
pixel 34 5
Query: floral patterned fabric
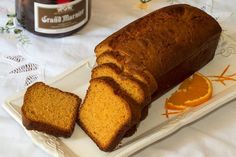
pixel 26 58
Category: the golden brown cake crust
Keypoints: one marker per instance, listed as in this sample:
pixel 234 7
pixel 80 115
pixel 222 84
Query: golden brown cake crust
pixel 164 38
pixel 46 127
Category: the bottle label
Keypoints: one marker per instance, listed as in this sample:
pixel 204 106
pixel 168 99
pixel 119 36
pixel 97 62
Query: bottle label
pixel 60 18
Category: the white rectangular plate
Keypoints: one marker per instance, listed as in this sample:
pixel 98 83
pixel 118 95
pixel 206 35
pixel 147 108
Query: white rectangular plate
pixel 153 128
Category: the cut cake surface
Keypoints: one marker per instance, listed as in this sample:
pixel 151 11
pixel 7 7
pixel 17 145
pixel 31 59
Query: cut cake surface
pixel 107 113
pixel 50 110
pixel 134 88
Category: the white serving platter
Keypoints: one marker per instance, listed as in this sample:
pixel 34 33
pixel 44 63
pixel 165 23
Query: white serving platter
pixel 155 127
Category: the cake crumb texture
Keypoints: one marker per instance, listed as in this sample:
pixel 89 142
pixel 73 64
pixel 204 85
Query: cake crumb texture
pixel 50 110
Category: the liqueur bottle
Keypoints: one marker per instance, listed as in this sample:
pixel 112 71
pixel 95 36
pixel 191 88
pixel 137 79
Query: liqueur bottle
pixel 53 18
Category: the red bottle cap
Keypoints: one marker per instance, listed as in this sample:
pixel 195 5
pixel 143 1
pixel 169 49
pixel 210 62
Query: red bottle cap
pixel 62 1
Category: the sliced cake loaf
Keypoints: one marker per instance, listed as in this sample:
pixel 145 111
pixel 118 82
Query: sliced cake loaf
pixel 107 113
pixel 134 88
pixel 50 110
pixel 162 48
pixel 128 66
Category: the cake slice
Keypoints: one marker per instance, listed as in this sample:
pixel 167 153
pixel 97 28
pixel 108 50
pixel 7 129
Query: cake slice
pixel 129 66
pixel 50 110
pixel 107 113
pixel 134 88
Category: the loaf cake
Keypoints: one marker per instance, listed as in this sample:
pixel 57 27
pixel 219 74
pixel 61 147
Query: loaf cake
pixel 161 50
pixel 107 113
pixel 166 38
pixel 50 110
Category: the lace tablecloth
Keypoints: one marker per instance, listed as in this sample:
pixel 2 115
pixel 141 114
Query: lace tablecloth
pixel 26 58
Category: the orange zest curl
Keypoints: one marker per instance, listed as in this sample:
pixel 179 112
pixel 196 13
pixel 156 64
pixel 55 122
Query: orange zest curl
pixel 170 113
pixel 222 78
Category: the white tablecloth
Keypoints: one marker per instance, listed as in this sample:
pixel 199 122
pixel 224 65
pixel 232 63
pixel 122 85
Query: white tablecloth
pixel 42 58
